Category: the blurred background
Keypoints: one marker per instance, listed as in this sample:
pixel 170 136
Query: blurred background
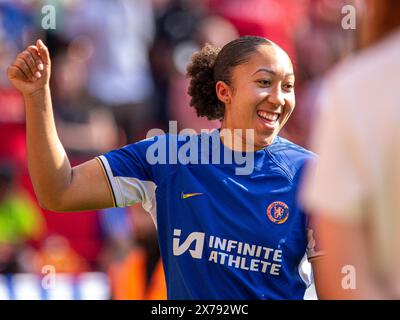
pixel 119 70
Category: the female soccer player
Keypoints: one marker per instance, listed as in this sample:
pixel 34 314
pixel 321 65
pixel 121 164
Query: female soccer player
pixel 223 234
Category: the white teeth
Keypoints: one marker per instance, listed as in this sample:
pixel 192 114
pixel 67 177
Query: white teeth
pixel 268 116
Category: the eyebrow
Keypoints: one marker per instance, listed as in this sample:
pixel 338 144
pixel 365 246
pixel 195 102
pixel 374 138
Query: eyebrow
pixel 271 71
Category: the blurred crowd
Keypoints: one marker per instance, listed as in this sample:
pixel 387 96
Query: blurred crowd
pixel 118 70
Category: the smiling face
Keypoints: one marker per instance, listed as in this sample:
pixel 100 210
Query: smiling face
pixel 260 95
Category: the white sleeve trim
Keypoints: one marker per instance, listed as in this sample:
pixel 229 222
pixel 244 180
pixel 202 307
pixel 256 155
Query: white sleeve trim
pixel 128 191
pixel 115 189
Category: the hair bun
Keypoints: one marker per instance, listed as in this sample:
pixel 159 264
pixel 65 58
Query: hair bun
pixel 202 84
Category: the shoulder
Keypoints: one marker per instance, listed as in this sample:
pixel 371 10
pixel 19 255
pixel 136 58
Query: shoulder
pixel 290 155
pixel 286 147
pixel 140 159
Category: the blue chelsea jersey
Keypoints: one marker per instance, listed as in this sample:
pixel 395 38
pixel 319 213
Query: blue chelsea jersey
pixel 222 235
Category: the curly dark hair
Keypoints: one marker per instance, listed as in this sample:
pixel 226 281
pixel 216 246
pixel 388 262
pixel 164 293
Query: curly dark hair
pixel 212 64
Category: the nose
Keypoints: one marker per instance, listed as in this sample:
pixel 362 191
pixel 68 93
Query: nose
pixel 276 96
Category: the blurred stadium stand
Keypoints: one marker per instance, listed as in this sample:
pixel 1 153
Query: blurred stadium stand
pixel 85 286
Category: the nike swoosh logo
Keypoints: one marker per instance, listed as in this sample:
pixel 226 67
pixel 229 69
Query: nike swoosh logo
pixel 189 195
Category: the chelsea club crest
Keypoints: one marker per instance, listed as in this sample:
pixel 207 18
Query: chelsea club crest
pixel 278 212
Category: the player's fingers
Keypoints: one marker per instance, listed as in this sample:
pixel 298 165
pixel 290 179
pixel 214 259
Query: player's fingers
pixel 30 61
pixel 43 52
pixel 15 72
pixel 20 63
pixel 34 51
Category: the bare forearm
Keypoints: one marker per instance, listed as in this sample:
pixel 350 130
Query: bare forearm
pixel 49 166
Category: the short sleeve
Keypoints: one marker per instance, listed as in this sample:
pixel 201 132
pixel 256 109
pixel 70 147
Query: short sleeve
pixel 334 184
pixel 131 177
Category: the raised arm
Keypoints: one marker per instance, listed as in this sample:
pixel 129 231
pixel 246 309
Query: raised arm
pixel 58 187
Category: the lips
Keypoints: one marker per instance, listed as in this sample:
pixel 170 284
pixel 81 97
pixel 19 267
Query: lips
pixel 271 116
pixel 269 119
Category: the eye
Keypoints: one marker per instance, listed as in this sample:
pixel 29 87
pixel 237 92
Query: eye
pixel 288 87
pixel 264 83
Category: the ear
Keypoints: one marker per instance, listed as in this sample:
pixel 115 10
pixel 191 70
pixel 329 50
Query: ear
pixel 224 92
